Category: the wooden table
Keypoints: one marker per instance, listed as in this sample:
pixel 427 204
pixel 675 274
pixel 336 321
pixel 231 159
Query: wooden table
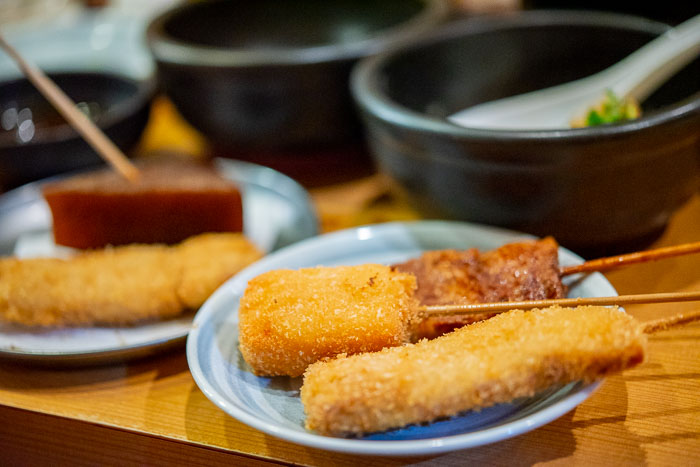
pixel 151 412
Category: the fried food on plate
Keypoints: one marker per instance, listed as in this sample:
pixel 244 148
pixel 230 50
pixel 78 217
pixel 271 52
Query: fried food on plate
pixel 121 285
pixel 514 354
pixel 207 261
pixel 289 319
pixel 527 270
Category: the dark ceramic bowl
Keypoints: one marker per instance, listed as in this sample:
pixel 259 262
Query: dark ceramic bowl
pixel 599 189
pixel 36 142
pixel 275 74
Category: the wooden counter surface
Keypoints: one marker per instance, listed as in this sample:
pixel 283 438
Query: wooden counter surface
pixel 151 412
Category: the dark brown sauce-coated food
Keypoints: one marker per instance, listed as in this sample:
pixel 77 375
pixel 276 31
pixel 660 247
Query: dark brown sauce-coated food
pixel 526 270
pixel 169 203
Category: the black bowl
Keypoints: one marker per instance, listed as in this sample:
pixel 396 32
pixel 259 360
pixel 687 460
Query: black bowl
pixel 600 189
pixel 275 74
pixel 36 142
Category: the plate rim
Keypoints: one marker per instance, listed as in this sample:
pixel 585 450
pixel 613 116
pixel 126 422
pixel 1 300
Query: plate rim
pixel 411 447
pixel 265 177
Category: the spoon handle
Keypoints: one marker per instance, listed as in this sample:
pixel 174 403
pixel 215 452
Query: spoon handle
pixel 656 62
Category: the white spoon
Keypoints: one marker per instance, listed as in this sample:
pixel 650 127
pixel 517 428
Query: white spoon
pixel 635 77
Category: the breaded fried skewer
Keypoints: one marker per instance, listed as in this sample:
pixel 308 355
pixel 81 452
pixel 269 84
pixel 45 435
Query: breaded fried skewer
pixel 515 354
pixel 121 285
pixel 289 319
pixel 515 272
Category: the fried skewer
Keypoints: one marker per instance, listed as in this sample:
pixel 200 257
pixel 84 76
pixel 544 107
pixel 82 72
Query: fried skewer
pixel 515 272
pixel 515 354
pixel 512 355
pixel 120 286
pixel 526 270
pixel 289 319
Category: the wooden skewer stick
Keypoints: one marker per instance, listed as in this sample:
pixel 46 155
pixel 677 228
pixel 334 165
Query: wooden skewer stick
pixel 480 308
pixel 662 324
pixel 65 105
pixel 604 264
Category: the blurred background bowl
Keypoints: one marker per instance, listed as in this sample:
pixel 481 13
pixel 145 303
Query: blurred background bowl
pixel 272 74
pixel 98 55
pixel 35 140
pixel 598 190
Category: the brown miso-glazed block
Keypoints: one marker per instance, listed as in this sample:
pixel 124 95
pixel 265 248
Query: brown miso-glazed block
pixel 169 203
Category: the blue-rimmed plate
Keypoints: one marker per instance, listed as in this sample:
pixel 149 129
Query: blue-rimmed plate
pixel 272 405
pixel 277 212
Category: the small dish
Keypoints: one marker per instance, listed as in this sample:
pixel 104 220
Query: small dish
pixel 272 405
pixel 277 212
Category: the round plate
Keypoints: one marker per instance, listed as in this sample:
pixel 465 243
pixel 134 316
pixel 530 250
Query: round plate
pixel 272 405
pixel 277 212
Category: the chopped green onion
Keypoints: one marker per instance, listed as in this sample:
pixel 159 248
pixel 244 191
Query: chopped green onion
pixel 611 110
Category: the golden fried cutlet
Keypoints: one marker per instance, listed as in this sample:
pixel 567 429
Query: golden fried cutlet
pixel 514 354
pixel 289 319
pixel 527 270
pixel 121 285
pixel 207 261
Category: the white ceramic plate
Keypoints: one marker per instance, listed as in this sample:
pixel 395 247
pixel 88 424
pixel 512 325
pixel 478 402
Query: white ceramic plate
pixel 277 212
pixel 272 405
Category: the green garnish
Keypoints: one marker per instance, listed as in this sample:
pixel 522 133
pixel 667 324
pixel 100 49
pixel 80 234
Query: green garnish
pixel 611 110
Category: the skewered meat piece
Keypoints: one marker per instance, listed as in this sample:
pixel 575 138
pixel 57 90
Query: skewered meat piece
pixel 527 270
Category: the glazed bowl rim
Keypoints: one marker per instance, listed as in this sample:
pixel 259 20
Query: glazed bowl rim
pixel 168 49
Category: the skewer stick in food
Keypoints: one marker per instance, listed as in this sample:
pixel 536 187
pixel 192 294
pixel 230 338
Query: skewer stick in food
pixel 289 319
pixel 515 272
pixel 605 264
pixel 619 300
pixel 65 105
pixel 513 355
